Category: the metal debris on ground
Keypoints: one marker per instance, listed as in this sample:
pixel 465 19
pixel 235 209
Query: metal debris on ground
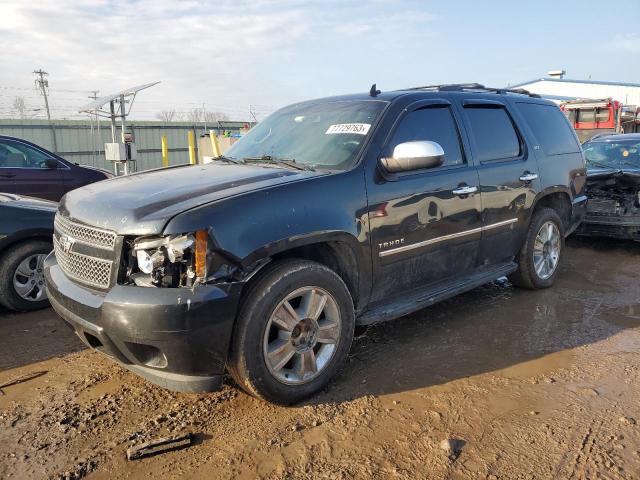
pixel 22 378
pixel 161 445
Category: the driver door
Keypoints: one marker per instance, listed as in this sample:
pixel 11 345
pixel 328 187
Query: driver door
pixel 23 171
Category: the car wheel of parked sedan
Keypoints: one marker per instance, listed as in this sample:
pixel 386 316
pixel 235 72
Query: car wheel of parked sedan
pixel 540 256
pixel 22 276
pixel 293 331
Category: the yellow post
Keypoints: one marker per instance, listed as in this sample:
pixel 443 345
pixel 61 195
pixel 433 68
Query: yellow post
pixel 165 152
pixel 214 144
pixel 192 147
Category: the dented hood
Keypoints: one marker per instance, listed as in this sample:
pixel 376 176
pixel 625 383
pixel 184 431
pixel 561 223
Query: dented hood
pixel 596 173
pixel 143 203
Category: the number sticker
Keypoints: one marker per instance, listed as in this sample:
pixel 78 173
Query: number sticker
pixel 357 128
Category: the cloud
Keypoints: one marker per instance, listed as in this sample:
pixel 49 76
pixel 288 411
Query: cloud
pixel 625 42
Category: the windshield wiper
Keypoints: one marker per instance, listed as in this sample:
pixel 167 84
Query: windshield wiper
pixel 288 162
pixel 222 158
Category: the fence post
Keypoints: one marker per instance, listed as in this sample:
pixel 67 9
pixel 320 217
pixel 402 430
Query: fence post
pixel 192 147
pixel 165 152
pixel 215 146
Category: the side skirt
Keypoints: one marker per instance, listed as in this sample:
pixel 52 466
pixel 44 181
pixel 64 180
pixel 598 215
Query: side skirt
pixel 417 299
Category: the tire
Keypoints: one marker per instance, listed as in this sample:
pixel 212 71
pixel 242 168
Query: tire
pixel 10 278
pixel 261 343
pixel 527 276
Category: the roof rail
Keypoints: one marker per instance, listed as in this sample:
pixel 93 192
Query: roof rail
pixel 473 87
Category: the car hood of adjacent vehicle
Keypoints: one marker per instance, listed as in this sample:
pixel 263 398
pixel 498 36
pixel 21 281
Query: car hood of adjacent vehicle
pixel 599 172
pixel 143 203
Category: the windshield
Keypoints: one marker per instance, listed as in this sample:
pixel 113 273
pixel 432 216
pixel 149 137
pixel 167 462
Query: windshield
pixel 612 155
pixel 320 135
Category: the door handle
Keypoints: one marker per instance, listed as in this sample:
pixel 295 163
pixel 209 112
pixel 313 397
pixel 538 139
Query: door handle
pixel 528 177
pixel 464 190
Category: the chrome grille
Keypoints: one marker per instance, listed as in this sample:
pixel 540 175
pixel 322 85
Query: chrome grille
pixel 90 235
pixel 85 254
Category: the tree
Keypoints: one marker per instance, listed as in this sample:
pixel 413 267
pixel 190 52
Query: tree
pixel 213 117
pixel 194 115
pixel 20 106
pixel 167 115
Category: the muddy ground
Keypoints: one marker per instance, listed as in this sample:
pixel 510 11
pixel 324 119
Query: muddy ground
pixel 525 384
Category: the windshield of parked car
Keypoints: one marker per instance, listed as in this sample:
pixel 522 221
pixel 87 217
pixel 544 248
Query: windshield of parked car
pixel 318 135
pixel 612 154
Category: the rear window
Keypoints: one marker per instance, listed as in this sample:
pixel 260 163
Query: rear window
pixel 550 127
pixel 493 133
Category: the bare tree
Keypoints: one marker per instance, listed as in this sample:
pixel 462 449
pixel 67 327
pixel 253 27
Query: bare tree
pixel 167 115
pixel 194 115
pixel 212 117
pixel 20 106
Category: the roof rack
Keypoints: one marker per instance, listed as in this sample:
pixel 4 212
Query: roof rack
pixel 473 87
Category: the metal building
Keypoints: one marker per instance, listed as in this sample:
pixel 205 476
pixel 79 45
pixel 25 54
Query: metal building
pixel 560 89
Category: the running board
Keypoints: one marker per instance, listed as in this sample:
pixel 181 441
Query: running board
pixel 418 299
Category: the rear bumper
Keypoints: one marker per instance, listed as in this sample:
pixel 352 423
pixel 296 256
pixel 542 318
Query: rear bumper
pixel 623 227
pixel 177 338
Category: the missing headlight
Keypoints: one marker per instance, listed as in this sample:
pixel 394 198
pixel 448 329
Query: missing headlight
pixel 170 261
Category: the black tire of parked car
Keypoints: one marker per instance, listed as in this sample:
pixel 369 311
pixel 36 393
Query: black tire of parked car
pixel 526 276
pixel 247 361
pixel 9 261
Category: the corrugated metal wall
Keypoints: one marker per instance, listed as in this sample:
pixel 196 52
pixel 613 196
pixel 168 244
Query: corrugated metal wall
pixel 83 142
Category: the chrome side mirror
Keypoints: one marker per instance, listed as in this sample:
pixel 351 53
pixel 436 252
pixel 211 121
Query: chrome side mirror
pixel 409 156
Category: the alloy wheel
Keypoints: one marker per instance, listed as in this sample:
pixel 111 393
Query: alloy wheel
pixel 546 250
pixel 302 335
pixel 28 279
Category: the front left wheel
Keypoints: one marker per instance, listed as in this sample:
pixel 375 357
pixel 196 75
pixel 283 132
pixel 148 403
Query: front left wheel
pixel 293 331
pixel 22 285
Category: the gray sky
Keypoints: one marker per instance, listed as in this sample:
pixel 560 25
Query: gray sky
pixel 266 53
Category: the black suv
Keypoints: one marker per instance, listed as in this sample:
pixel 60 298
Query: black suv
pixel 329 213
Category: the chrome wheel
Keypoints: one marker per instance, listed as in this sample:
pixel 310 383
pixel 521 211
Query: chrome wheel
pixel 546 250
pixel 28 279
pixel 302 335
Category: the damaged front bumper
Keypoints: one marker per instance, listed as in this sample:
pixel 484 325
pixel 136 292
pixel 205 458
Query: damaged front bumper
pixel 621 227
pixel 177 338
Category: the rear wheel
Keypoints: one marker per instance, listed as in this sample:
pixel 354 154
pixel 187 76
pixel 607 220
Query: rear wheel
pixel 22 285
pixel 293 331
pixel 540 257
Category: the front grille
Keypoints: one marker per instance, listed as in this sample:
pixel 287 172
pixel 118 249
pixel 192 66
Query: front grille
pixel 600 206
pixel 85 254
pixel 83 233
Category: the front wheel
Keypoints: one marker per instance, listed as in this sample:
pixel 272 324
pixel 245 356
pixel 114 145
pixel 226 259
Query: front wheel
pixel 22 276
pixel 540 257
pixel 293 331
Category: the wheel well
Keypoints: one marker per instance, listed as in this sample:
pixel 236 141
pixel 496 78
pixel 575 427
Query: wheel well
pixel 560 202
pixel 338 256
pixel 21 240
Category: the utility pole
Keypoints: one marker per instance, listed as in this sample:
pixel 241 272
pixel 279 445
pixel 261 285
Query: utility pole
pixel 94 96
pixel 253 115
pixel 42 83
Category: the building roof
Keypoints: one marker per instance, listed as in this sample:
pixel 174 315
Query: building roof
pixel 567 80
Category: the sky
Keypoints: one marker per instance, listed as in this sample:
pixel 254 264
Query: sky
pixel 242 56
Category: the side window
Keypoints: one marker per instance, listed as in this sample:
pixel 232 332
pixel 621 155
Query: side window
pixel 550 128
pixel 493 133
pixel 435 124
pixel 19 155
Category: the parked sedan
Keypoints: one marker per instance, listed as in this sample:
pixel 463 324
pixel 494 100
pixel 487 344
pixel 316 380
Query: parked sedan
pixel 26 229
pixel 613 186
pixel 27 169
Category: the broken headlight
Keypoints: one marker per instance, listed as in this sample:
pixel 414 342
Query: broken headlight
pixel 168 261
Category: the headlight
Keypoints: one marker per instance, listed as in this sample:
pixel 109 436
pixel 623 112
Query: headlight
pixel 170 261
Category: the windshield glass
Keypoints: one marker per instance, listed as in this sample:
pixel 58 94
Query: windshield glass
pixel 612 155
pixel 320 135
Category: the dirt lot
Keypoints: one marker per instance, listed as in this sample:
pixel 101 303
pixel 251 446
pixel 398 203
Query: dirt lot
pixel 525 384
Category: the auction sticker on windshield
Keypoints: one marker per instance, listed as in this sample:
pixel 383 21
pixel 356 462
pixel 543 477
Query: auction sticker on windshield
pixel 358 128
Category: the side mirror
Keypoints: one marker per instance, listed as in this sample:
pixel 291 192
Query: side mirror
pixel 51 163
pixel 409 156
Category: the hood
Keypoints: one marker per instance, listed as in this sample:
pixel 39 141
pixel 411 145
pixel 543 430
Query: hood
pixel 107 173
pixel 21 201
pixel 143 203
pixel 598 172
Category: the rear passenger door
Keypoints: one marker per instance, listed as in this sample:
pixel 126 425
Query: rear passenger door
pixel 425 225
pixel 508 175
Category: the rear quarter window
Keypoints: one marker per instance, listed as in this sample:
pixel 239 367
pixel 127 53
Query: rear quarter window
pixel 493 133
pixel 550 128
